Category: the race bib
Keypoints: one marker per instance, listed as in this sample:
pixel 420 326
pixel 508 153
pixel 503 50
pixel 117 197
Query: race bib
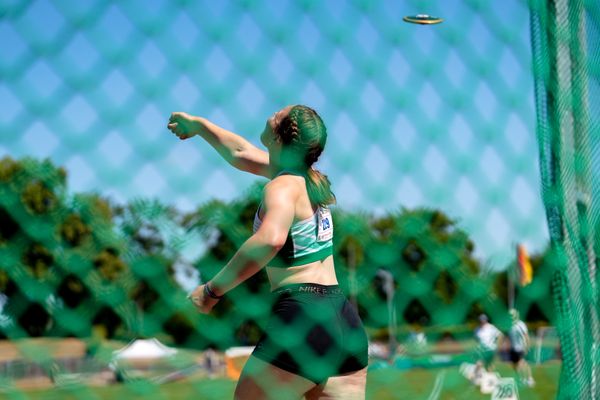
pixel 325 232
pixel 506 389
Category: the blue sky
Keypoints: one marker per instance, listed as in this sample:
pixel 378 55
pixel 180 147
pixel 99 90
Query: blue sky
pixel 438 116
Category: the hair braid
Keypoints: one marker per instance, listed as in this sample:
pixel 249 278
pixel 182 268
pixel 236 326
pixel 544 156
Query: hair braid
pixel 303 132
pixel 289 132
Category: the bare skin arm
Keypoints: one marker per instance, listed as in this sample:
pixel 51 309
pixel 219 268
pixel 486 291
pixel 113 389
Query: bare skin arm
pixel 236 150
pixel 260 248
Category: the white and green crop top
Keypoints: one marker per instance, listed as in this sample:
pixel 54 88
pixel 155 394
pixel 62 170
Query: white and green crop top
pixel 308 240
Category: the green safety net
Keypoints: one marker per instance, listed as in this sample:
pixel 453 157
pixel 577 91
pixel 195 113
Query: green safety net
pixel 565 38
pixel 107 221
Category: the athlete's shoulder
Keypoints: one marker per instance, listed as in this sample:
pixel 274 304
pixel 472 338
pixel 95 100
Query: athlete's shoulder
pixel 282 186
pixel 287 183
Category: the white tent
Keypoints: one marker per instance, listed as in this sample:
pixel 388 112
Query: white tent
pixel 143 349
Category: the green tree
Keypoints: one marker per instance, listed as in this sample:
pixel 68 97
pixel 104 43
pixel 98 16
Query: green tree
pixel 225 227
pixel 155 235
pixel 57 252
pixel 353 236
pixel 30 197
pixel 437 277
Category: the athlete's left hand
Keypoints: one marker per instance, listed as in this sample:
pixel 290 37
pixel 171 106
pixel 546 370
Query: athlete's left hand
pixel 203 303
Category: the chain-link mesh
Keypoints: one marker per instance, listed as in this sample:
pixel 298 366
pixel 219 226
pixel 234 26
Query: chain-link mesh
pixel 565 38
pixel 431 153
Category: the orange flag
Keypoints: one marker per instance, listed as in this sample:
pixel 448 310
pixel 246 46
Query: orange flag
pixel 525 270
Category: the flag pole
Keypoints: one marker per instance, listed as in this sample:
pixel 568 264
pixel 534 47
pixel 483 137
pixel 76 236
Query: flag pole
pixel 511 286
pixel 512 272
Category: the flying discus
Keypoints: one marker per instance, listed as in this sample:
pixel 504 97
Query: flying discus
pixel 422 19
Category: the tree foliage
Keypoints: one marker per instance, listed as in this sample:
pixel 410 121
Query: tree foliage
pixel 55 251
pixel 79 265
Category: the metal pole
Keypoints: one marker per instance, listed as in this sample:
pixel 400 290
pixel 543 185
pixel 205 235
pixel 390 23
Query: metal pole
pixel 388 288
pixel 511 288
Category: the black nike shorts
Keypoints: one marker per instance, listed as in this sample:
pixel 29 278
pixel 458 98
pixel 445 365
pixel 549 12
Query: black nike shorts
pixel 516 356
pixel 314 332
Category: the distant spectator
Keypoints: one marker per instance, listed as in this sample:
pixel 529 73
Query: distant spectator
pixel 519 346
pixel 417 341
pixel 487 336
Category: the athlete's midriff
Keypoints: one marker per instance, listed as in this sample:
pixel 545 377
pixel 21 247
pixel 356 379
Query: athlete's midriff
pixel 320 272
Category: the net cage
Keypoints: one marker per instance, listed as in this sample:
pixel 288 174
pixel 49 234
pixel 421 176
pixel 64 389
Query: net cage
pixel 448 145
pixel 566 58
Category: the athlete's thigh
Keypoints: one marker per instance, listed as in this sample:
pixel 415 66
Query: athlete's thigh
pixel 261 380
pixel 351 386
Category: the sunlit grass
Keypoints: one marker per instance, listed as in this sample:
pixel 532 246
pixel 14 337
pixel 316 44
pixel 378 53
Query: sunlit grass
pixel 382 384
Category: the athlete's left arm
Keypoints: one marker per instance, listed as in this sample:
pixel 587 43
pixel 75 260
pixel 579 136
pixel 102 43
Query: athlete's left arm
pixel 262 246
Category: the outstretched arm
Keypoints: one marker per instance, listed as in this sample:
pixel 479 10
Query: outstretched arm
pixel 260 248
pixel 236 150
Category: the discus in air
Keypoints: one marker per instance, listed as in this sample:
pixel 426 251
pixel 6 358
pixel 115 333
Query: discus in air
pixel 422 19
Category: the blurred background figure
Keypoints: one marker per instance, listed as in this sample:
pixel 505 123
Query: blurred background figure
pixel 488 337
pixel 519 346
pixel 416 342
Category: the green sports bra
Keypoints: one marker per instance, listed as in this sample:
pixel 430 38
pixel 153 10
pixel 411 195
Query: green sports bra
pixel 308 240
pixel 302 245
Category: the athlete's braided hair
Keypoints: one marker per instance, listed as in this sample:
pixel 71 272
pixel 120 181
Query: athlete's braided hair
pixel 304 132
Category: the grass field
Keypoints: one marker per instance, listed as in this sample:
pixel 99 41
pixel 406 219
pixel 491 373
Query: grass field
pixel 382 384
pixel 419 383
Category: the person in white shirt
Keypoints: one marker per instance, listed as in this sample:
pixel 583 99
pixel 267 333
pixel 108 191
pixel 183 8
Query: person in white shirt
pixel 519 346
pixel 487 336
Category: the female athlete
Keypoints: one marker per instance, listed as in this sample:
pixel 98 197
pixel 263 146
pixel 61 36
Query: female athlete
pixel 315 344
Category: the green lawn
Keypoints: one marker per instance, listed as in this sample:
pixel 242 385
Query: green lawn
pixel 382 384
pixel 419 383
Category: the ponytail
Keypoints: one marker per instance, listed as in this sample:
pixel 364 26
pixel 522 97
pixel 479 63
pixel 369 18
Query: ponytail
pixel 303 136
pixel 319 188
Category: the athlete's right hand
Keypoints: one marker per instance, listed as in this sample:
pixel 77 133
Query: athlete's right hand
pixel 184 125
